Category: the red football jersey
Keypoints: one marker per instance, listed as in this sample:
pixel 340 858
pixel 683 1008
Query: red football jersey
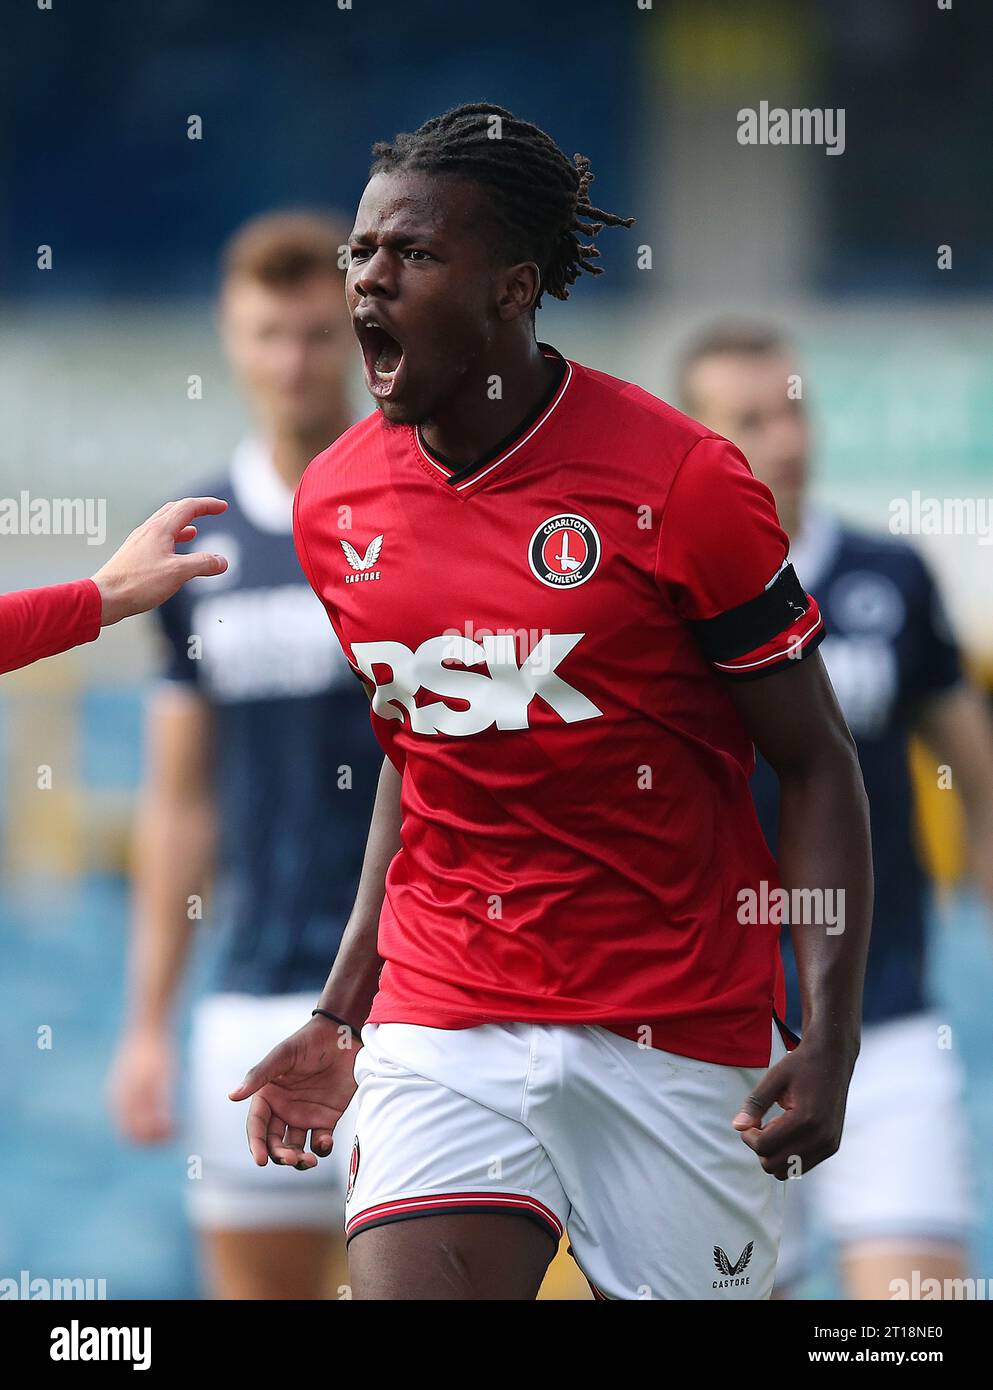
pixel 550 633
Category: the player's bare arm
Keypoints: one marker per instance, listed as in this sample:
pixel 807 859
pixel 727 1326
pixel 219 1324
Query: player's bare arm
pixel 305 1083
pixel 174 843
pixel 957 726
pixel 794 720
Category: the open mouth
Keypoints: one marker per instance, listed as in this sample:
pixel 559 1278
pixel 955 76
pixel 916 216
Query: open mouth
pixel 383 356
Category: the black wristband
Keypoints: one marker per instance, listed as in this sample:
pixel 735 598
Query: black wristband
pixel 335 1019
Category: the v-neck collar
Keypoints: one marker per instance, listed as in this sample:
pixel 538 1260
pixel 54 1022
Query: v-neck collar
pixel 465 476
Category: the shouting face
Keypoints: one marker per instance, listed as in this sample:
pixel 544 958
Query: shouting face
pixel 423 288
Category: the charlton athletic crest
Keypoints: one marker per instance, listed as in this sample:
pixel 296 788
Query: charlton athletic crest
pixel 353 1168
pixel 565 551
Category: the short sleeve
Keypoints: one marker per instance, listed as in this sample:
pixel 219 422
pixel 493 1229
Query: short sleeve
pixel 722 564
pixel 299 540
pixel 307 565
pixel 174 622
pixel 303 550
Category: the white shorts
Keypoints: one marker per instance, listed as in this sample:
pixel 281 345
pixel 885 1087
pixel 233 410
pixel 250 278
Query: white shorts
pixel 903 1170
pixel 629 1149
pixel 230 1033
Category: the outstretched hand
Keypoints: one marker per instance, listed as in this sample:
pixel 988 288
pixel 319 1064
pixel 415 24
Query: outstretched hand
pixel 146 570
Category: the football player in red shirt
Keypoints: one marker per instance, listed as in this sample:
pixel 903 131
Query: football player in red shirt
pixel 572 609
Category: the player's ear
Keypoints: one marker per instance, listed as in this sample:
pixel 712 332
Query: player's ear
pixel 517 290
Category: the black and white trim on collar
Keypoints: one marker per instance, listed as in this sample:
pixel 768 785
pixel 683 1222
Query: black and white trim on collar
pixel 471 474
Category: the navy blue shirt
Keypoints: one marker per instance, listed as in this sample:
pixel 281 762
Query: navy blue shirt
pixel 887 649
pixel 295 760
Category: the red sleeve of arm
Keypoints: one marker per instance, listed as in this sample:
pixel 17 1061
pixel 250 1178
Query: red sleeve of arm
pixel 722 563
pixel 299 542
pixel 307 565
pixel 35 623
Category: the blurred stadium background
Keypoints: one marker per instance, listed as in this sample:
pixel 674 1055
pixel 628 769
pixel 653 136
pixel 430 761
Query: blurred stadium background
pixel 97 351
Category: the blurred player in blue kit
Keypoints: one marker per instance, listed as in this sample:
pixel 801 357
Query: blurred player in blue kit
pixel 897 1196
pixel 260 774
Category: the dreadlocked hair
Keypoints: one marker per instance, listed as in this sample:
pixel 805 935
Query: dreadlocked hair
pixel 540 199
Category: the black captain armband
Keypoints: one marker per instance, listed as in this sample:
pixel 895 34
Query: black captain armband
pixel 780 626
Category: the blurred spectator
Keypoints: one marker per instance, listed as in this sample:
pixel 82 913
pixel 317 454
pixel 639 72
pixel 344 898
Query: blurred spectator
pixel 896 1197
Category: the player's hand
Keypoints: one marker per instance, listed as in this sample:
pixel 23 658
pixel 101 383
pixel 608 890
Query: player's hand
pixel 811 1085
pixel 304 1084
pixel 146 570
pixel 140 1086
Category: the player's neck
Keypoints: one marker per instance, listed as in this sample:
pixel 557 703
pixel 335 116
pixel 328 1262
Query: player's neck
pixel 291 453
pixel 472 422
pixel 791 520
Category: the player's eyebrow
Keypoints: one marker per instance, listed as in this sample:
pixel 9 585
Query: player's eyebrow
pixel 394 239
